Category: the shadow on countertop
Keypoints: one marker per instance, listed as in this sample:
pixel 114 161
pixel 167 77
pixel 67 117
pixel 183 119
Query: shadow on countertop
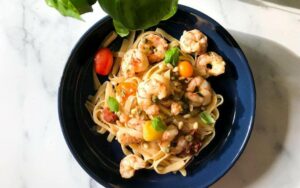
pixel 274 81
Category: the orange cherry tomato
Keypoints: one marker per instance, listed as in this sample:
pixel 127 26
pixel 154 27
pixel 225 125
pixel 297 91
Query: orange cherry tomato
pixel 103 61
pixel 125 89
pixel 185 69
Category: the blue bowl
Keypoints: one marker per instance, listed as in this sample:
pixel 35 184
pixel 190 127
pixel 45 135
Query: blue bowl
pixel 101 159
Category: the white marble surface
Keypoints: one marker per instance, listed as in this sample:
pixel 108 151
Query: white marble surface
pixel 35 43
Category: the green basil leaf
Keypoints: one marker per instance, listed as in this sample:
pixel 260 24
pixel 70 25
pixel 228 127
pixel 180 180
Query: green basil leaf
pixel 172 56
pixel 91 2
pixel 158 124
pixel 120 29
pixel 206 118
pixel 139 14
pixel 72 8
pixel 172 11
pixel 113 104
pixel 82 6
pixel 127 14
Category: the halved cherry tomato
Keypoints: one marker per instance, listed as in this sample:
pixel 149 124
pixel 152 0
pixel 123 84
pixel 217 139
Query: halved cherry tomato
pixel 103 61
pixel 185 69
pixel 109 116
pixel 126 89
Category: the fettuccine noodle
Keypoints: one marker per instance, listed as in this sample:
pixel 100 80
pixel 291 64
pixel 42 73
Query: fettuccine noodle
pixel 147 89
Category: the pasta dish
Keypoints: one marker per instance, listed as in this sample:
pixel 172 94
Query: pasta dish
pixel 157 102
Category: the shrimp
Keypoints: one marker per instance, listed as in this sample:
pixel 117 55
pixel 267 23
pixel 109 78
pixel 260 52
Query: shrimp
pixel 193 41
pixel 154 46
pixel 202 96
pixel 181 145
pixel 149 89
pixel 168 136
pixel 176 108
pixel 136 124
pixel 152 110
pixel 134 61
pixel 210 64
pixel 126 139
pixel 123 118
pixel 130 164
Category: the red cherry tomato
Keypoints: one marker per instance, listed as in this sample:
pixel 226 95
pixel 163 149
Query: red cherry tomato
pixel 109 116
pixel 103 61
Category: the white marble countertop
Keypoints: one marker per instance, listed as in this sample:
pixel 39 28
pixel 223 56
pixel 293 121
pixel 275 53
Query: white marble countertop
pixel 35 42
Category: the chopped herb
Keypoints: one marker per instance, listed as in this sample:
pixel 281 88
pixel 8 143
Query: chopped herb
pixel 139 111
pixel 176 97
pixel 206 118
pixel 199 94
pixel 158 124
pixel 189 138
pixel 154 99
pixel 113 104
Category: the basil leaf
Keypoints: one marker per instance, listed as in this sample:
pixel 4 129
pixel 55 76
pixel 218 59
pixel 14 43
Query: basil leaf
pixel 71 8
pixel 158 124
pixel 172 11
pixel 91 2
pixel 120 29
pixel 139 14
pixel 82 6
pixel 113 104
pixel 172 56
pixel 206 118
pixel 127 14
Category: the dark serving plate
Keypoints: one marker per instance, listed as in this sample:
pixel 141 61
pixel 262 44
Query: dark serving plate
pixel 101 159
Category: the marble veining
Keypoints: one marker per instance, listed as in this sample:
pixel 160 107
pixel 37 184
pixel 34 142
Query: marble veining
pixel 35 43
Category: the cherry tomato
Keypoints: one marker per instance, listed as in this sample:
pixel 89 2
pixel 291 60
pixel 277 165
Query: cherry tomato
pixel 185 69
pixel 109 116
pixel 149 133
pixel 125 89
pixel 103 61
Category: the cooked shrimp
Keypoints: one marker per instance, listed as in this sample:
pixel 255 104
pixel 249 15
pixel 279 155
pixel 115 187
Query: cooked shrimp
pixel 152 110
pixel 193 42
pixel 176 108
pixel 134 61
pixel 168 136
pixel 126 139
pixel 130 164
pixel 123 118
pixel 136 124
pixel 180 146
pixel 210 64
pixel 147 90
pixel 154 46
pixel 200 97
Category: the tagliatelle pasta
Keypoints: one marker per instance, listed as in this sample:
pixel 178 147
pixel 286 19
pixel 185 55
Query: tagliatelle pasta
pixel 160 110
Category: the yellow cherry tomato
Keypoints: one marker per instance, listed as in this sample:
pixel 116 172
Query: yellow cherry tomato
pixel 185 69
pixel 126 89
pixel 149 133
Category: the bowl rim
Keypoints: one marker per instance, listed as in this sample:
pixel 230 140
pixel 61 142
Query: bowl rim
pixel 95 27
